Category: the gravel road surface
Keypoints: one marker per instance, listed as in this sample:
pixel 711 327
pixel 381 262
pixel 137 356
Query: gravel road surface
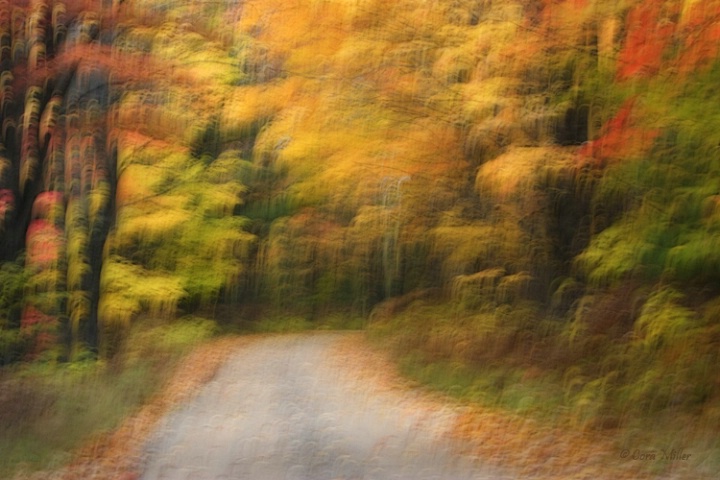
pixel 289 407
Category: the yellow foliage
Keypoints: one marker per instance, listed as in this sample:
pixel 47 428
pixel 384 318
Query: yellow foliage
pixel 222 241
pixel 484 281
pixel 663 318
pixel 98 200
pixel 46 280
pixel 244 106
pixel 226 168
pixel 361 56
pixel 77 269
pixel 135 184
pixel 128 289
pixel 193 55
pixel 513 286
pixel 687 9
pixel 366 228
pixel 519 170
pixel 167 118
pixel 220 200
pixel 302 27
pixel 463 246
pixel 138 223
pixel 5 166
pixel 79 309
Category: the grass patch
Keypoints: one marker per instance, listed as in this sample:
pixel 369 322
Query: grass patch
pixel 507 388
pixel 340 321
pixel 56 407
pixel 282 324
pixel 47 410
pixel 290 323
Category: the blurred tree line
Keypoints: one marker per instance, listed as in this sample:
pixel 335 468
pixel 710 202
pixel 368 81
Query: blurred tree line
pixel 533 181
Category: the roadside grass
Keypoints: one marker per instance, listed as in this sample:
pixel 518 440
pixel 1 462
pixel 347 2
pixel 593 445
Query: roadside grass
pixel 507 388
pixel 54 408
pixel 486 359
pixel 282 322
pixel 49 409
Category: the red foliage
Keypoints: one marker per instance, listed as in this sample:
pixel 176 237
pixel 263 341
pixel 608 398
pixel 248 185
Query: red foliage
pixel 44 204
pixel 42 325
pixel 43 244
pixel 649 32
pixel 620 138
pixel 31 316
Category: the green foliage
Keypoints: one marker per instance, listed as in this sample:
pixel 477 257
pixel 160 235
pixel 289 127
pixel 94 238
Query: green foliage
pixel 470 357
pixel 662 320
pixel 157 339
pixel 661 208
pixel 13 343
pixel 342 320
pixel 64 406
pixel 276 320
pixel 283 324
pixel 613 255
pixel 12 282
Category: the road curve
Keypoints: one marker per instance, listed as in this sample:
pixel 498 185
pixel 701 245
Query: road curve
pixel 286 408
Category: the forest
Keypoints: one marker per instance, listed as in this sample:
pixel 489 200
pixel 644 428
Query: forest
pixel 520 198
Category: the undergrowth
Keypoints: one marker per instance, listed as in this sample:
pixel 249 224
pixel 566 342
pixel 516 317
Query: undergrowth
pixel 48 409
pixel 645 398
pixel 273 320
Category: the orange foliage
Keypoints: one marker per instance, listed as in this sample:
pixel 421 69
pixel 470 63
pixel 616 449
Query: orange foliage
pixel 311 225
pixel 303 33
pixel 700 31
pixel 562 13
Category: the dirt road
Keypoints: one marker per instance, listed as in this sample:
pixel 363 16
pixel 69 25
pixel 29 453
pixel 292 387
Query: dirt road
pixel 291 407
